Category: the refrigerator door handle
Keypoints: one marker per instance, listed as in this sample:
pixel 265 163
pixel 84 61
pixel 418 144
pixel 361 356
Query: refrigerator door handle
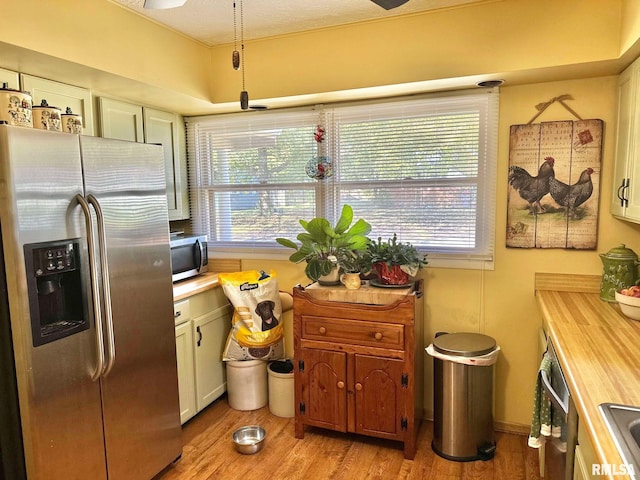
pixel 94 289
pixel 106 286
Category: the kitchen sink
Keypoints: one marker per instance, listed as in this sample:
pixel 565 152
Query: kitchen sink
pixel 624 424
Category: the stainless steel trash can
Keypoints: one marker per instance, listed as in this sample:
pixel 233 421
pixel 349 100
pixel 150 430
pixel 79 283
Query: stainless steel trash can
pixel 463 365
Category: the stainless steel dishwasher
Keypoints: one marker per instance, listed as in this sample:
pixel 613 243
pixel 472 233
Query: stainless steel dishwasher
pixel 559 450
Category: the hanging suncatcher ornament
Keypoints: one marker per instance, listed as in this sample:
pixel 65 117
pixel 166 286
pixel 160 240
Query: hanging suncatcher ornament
pixel 321 166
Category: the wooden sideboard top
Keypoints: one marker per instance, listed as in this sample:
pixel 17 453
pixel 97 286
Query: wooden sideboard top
pixel 367 294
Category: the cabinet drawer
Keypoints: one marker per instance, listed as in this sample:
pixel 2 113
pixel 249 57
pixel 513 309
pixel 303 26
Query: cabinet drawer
pixel 181 311
pixel 353 332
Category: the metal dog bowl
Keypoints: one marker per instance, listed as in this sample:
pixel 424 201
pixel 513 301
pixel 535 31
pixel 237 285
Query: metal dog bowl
pixel 250 439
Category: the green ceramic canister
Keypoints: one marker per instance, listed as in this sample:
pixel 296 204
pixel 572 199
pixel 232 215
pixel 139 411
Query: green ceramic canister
pixel 620 270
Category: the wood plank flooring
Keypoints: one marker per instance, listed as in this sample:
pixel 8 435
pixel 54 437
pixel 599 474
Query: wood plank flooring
pixel 209 454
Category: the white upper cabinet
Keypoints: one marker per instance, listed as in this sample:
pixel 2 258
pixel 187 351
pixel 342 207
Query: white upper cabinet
pixel 168 129
pixel 121 120
pixel 126 121
pixel 625 199
pixel 12 79
pixel 62 96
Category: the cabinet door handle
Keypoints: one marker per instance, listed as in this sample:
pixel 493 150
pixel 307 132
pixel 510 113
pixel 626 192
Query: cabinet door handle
pixel 377 336
pixel 620 197
pixel 625 193
pixel 340 385
pixel 358 386
pixel 177 314
pixel 624 202
pixel 322 330
pixel 199 335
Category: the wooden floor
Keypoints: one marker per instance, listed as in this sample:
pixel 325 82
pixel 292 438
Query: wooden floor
pixel 209 454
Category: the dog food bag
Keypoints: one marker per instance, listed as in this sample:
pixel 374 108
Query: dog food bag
pixel 256 330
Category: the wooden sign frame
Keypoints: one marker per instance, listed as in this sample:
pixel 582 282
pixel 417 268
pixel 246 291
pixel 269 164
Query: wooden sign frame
pixel 565 214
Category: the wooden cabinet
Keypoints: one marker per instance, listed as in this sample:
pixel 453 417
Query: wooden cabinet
pixel 625 200
pixel 202 325
pixel 126 121
pixel 62 96
pixel 358 366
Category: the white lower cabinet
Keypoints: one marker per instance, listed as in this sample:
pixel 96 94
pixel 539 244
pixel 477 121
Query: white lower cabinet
pixel 210 334
pixel 585 457
pixel 186 371
pixel 202 325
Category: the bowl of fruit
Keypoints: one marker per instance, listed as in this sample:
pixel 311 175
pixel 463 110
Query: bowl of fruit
pixel 629 301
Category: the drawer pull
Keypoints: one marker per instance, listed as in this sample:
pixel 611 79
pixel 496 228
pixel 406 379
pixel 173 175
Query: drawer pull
pixel 322 330
pixel 378 336
pixel 177 314
pixel 340 384
pixel 358 386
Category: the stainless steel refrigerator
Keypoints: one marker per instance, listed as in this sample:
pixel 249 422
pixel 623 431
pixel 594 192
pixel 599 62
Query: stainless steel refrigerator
pixel 88 379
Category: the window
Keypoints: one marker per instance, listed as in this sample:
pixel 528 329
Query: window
pixel 423 168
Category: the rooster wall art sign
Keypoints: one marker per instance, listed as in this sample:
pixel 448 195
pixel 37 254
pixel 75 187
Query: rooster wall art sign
pixel 554 184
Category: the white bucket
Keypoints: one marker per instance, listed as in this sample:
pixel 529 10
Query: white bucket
pixel 281 401
pixel 247 384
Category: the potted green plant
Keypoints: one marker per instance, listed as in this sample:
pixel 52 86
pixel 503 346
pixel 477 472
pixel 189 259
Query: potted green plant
pixel 354 261
pixel 393 261
pixel 321 244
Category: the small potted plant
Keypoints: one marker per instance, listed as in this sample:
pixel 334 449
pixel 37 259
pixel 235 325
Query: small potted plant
pixel 394 262
pixel 321 245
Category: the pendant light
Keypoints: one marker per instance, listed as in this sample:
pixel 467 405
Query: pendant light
pixel 237 58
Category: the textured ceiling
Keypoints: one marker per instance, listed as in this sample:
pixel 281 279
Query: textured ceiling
pixel 211 21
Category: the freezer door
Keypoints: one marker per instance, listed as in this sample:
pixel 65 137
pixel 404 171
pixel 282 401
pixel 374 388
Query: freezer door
pixel 140 392
pixel 60 407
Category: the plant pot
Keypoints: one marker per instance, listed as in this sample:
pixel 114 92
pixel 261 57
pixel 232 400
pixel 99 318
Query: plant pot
pixel 390 276
pixel 350 280
pixel 330 279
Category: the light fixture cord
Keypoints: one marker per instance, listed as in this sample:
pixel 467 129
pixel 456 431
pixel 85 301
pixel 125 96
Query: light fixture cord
pixel 235 28
pixel 242 39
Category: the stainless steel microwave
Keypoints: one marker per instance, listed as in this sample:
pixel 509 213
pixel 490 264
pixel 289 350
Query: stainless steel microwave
pixel 188 256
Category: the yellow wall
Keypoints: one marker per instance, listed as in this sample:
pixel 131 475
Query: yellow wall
pixel 102 35
pixel 494 37
pixel 490 38
pixel 630 29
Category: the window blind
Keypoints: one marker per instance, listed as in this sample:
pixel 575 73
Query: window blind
pixel 423 168
pixel 247 180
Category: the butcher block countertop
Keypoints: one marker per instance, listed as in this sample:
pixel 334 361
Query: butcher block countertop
pixel 191 286
pixel 598 349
